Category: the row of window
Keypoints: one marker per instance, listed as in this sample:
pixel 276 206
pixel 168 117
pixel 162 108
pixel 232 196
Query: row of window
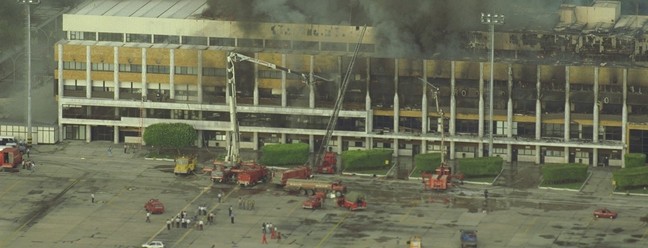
pixel 216 41
pixel 161 69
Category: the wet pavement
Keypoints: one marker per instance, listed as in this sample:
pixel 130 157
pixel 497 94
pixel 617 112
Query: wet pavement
pixel 51 207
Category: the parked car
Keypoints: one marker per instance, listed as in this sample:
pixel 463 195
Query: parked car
pixel 468 238
pixel 153 244
pixel 605 213
pixel 154 206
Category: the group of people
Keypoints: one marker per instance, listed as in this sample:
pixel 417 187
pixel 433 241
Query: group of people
pixel 269 228
pixel 245 204
pixel 29 165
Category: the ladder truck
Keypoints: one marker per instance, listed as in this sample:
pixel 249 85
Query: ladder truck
pixel 326 159
pixel 229 170
pixel 441 179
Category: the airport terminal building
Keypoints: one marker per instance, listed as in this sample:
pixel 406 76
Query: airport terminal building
pixel 128 64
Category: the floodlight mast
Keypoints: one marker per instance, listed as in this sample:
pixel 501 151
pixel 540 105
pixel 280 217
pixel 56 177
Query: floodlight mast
pixel 491 20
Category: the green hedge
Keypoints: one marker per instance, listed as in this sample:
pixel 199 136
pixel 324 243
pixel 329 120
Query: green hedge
pixel 633 160
pixel 631 177
pixel 480 167
pixel 427 161
pixel 359 160
pixel 564 173
pixel 284 154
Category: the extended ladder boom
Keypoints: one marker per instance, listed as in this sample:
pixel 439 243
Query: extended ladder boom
pixel 440 112
pixel 237 57
pixel 233 151
pixel 330 126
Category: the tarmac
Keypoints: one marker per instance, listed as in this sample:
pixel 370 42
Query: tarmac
pixel 51 207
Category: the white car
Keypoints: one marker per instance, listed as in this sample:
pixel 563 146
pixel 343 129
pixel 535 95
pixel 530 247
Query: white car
pixel 154 244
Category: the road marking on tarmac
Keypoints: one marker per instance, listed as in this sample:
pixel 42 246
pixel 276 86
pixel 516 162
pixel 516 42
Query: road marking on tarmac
pixel 530 224
pixel 185 207
pixel 333 229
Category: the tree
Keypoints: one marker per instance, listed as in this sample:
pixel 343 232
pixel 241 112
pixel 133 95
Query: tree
pixel 170 135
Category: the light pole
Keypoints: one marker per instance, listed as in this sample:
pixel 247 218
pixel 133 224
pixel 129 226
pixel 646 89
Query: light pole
pixel 28 4
pixel 491 20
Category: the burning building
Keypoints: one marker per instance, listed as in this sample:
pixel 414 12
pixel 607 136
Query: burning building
pixel 567 87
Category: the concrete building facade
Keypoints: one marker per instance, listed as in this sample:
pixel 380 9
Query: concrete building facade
pixel 123 68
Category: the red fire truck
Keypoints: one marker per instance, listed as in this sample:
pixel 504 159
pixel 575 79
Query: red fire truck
pixel 281 177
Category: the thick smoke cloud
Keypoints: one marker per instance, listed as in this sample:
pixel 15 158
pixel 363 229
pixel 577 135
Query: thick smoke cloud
pixel 404 28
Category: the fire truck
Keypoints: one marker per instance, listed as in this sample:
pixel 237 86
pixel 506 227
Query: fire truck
pixel 224 172
pixel 232 169
pixel 328 164
pixel 185 165
pixel 314 202
pixel 352 201
pixel 250 174
pixel 441 179
pixel 281 177
pixel 310 187
pixel 10 158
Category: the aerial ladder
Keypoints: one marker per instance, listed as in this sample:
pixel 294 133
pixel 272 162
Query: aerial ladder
pixel 234 139
pixel 441 125
pixel 442 176
pixel 327 160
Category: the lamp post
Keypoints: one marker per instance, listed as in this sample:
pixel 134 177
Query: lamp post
pixel 28 4
pixel 491 20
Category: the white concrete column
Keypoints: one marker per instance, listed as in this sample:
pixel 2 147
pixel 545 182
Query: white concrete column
pixel 595 121
pixel 116 134
pixel 509 114
pixel 339 144
pixel 144 84
pixel 59 90
pixel 424 144
pixel 88 134
pixel 200 78
pixel 255 140
pixel 283 138
pixel 424 101
pixel 116 73
pixel 201 139
pixel 567 114
pixel 567 111
pixel 480 129
pixel 453 99
pixel 624 118
pixel 88 73
pixel 311 86
pixel 396 102
pixel 369 112
pixel 311 143
pixel 171 73
pixel 255 93
pixel 284 97
pixel 538 112
pixel 453 109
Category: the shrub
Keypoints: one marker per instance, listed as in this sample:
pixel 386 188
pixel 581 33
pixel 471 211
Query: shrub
pixel 427 162
pixel 480 167
pixel 633 160
pixel 284 154
pixel 564 173
pixel 631 177
pixel 372 159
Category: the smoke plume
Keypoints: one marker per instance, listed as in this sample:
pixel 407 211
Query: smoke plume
pixel 405 28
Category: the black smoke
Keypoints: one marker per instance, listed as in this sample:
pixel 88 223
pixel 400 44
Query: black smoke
pixel 404 27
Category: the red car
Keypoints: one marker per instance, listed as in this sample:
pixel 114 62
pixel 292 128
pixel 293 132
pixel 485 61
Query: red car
pixel 605 213
pixel 154 206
